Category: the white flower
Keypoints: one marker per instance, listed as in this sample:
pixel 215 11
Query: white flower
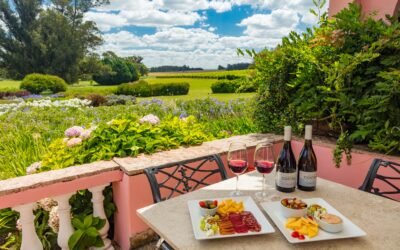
pixel 73 142
pixel 54 220
pixel 47 204
pixel 19 225
pixel 152 119
pixel 33 168
pixel 74 131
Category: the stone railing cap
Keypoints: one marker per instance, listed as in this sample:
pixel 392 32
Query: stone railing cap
pixel 134 166
pixel 23 183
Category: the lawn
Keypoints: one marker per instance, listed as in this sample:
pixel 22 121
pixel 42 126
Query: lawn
pixel 199 88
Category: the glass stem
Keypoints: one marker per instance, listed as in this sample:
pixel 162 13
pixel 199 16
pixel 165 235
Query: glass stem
pixel 237 183
pixel 263 184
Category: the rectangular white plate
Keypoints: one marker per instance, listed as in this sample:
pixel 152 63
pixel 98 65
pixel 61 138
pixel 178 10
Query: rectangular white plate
pixel 350 230
pixel 249 205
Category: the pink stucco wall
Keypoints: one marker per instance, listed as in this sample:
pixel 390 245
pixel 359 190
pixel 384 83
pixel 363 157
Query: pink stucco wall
pixel 381 7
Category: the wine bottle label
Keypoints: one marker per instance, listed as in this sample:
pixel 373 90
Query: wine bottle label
pixel 307 179
pixel 286 180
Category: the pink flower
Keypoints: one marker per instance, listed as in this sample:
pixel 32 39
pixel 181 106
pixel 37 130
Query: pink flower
pixel 86 134
pixel 152 119
pixel 73 142
pixel 74 131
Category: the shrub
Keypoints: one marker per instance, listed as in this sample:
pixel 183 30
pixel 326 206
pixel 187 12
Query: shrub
pixel 127 136
pixel 96 100
pixel 9 94
pixel 37 83
pixel 144 89
pixel 343 75
pixel 181 88
pixel 120 100
pixel 225 86
pixel 233 86
pixel 139 89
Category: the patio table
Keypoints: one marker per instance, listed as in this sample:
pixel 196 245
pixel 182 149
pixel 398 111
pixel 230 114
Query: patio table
pixel 377 216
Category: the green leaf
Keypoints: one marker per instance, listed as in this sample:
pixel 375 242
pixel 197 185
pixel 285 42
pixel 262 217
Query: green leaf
pixel 92 232
pixel 313 12
pixel 77 223
pixel 88 221
pixel 74 239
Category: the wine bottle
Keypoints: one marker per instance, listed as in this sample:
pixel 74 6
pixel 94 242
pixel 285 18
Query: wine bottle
pixel 307 174
pixel 286 165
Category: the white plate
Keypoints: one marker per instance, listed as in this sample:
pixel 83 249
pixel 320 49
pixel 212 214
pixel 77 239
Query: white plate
pixel 249 205
pixel 350 230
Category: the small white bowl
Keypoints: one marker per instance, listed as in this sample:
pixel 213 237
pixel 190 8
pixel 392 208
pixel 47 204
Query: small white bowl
pixel 291 212
pixel 331 228
pixel 208 211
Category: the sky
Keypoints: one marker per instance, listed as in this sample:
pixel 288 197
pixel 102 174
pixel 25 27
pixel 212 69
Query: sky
pixel 198 33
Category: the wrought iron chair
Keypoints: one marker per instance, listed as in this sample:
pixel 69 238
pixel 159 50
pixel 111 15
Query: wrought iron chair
pixel 373 175
pixel 177 178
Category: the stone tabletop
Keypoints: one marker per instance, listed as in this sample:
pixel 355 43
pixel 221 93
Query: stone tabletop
pixel 378 217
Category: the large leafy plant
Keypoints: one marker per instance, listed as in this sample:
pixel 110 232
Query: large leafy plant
pixel 343 77
pixel 86 233
pixel 126 137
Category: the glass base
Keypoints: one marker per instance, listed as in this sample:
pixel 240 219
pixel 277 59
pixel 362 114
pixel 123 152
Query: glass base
pixel 236 193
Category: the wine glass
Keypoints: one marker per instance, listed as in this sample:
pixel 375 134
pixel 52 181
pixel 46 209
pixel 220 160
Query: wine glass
pixel 237 162
pixel 264 162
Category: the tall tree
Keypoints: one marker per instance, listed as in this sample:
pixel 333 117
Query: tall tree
pixel 51 40
pixel 19 45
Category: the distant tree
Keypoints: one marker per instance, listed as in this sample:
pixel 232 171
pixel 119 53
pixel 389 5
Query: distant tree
pixel 168 68
pixel 91 65
pixel 238 66
pixel 220 67
pixel 122 70
pixel 139 65
pixel 48 37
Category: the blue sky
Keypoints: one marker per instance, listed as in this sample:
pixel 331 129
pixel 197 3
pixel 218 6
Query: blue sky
pixel 199 33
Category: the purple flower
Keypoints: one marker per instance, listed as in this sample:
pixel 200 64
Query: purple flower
pixel 74 131
pixel 183 115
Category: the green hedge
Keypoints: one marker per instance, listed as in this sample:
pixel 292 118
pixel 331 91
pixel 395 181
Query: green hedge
pixel 225 86
pixel 228 77
pixel 144 89
pixel 37 83
pixel 235 86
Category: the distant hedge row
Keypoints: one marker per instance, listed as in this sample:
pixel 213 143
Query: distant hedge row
pixel 144 89
pixel 227 77
pixel 234 86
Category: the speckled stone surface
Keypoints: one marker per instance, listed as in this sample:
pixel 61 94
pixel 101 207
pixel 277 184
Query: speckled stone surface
pixel 132 166
pixel 23 183
pixel 378 217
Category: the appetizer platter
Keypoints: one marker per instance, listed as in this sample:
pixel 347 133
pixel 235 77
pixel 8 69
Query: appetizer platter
pixel 227 217
pixel 310 220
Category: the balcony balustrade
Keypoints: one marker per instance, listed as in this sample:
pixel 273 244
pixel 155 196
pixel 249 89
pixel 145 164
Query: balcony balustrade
pixel 131 190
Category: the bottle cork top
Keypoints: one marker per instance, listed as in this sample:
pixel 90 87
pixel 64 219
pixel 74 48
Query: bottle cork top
pixel 308 134
pixel 288 133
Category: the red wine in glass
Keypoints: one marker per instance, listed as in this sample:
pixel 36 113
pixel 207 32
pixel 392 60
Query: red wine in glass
pixel 237 166
pixel 264 167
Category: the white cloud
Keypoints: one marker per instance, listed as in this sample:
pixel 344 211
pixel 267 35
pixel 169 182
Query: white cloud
pixel 276 24
pixel 105 21
pixel 177 42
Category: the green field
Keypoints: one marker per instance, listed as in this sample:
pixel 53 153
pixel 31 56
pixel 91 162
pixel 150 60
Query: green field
pixel 205 73
pixel 199 88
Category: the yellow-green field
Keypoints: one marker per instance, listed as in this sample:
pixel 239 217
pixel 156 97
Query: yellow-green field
pixel 199 88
